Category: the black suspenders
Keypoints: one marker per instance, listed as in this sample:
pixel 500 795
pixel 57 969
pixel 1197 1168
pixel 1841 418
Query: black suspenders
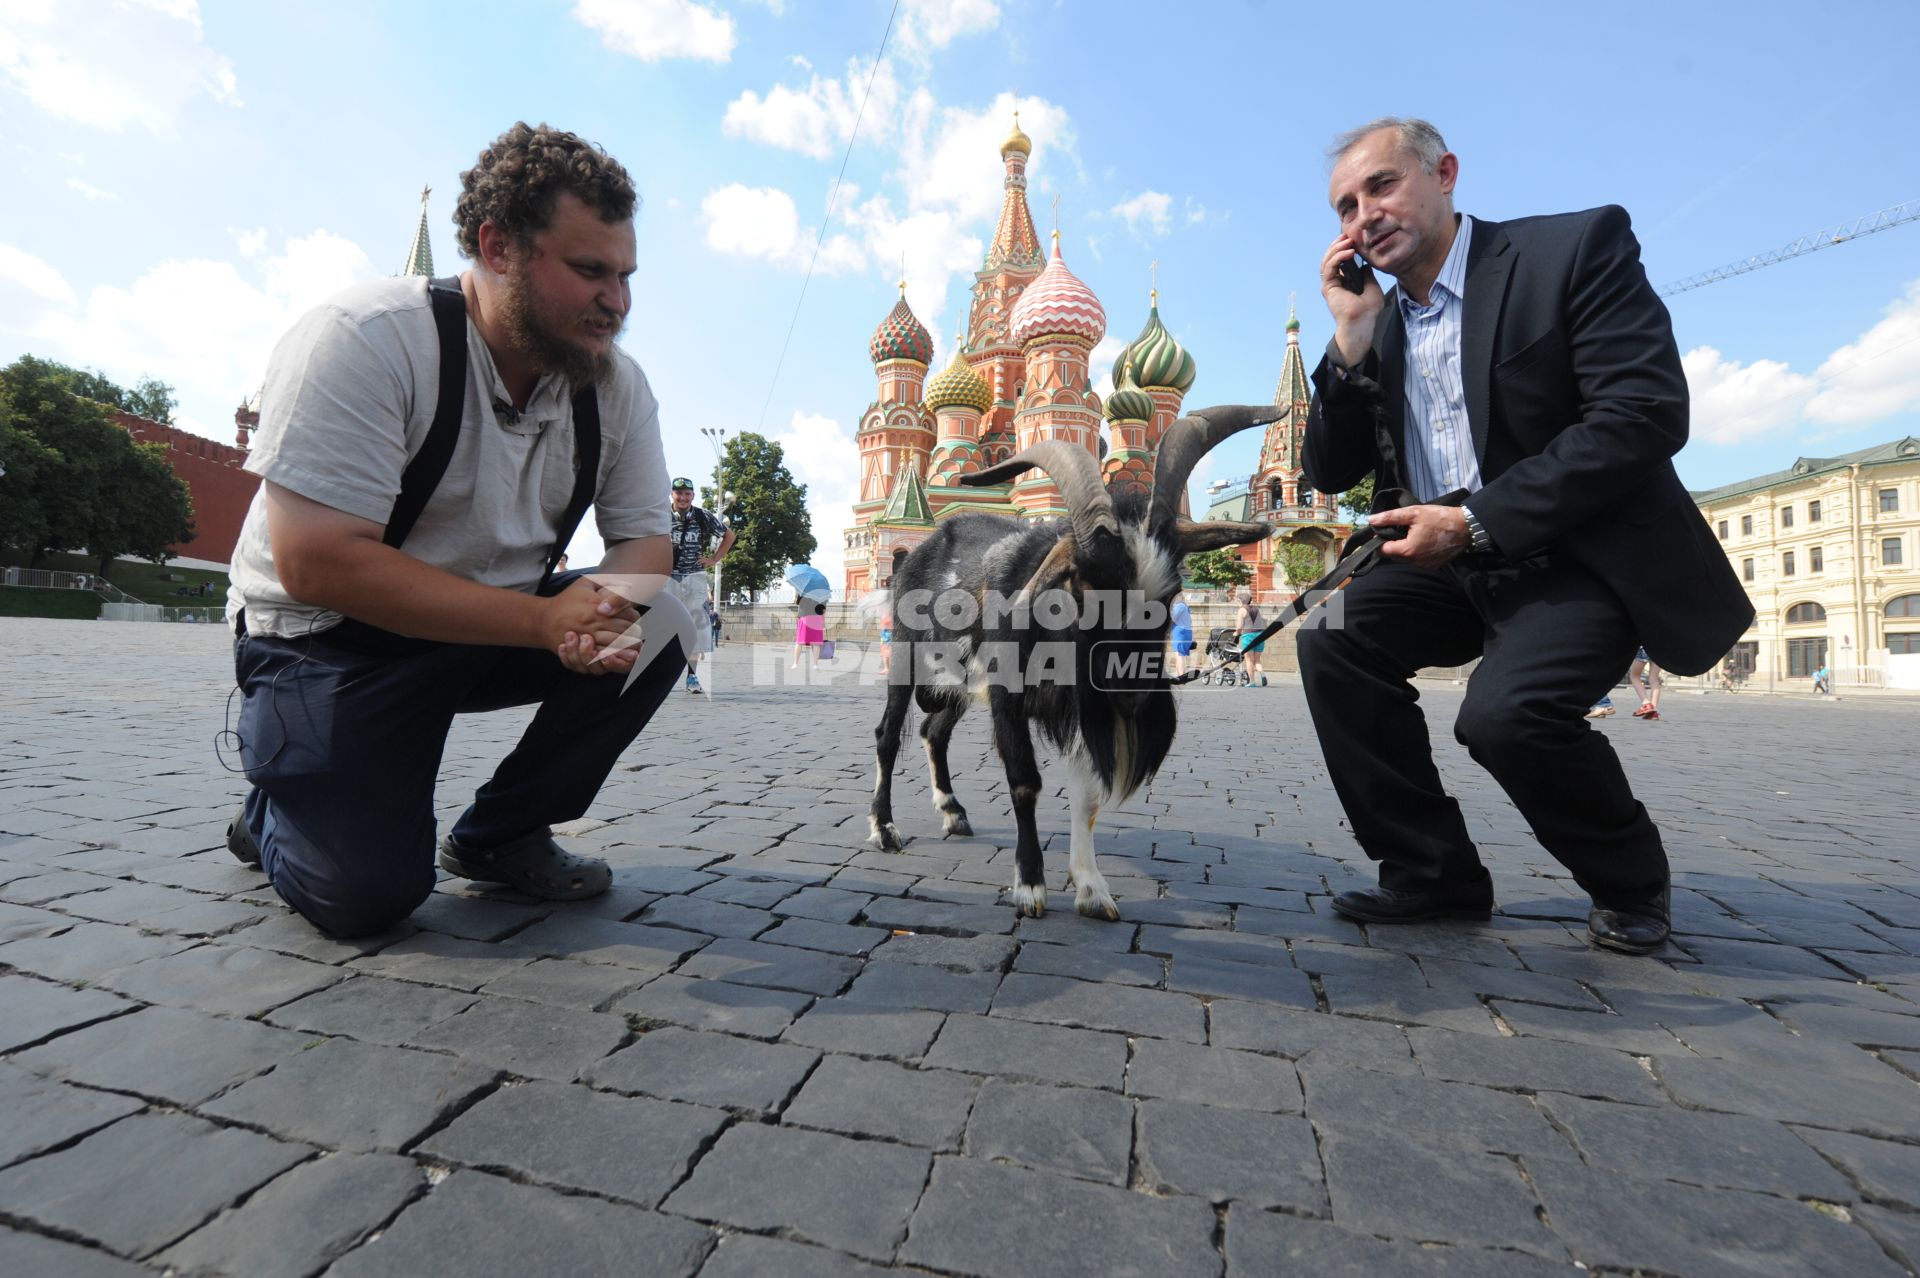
pixel 426 468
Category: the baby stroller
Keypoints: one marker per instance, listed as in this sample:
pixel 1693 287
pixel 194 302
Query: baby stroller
pixel 1221 644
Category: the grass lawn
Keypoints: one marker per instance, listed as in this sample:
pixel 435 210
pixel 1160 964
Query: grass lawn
pixel 142 580
pixel 28 601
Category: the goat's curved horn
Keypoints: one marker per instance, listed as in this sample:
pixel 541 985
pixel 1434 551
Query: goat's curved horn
pixel 1076 474
pixel 1188 440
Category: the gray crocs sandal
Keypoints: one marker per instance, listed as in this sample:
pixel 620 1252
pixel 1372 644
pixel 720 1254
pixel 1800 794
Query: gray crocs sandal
pixel 532 863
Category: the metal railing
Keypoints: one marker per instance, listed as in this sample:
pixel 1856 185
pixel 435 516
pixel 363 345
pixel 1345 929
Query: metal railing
pixel 52 579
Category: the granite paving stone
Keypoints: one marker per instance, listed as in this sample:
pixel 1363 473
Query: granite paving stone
pixel 41 1009
pixel 372 1009
pixel 936 989
pixel 164 1174
pixel 1308 1036
pixel 854 1196
pixel 1250 982
pixel 865 1029
pixel 1898 1232
pixel 833 938
pixel 1669 1228
pixel 1379 1182
pixel 634 945
pixel 1885 1170
pixel 1598 1029
pixel 714 918
pixel 164 1053
pixel 957 953
pixel 398 1094
pixel 532 1040
pixel 1260 1242
pixel 1533 1064
pixel 1018 1049
pixel 42 1113
pixel 1884 1106
pixel 23 922
pixel 827 904
pixel 481 1226
pixel 1225 1155
pixel 1074 1130
pixel 926 1107
pixel 707 1069
pixel 1091 964
pixel 312 1214
pixel 588 987
pixel 1058 1000
pixel 716 1005
pixel 1008 1222
pixel 1343 1099
pixel 35 1254
pixel 572 1137
pixel 936 916
pixel 780 967
pixel 1213 1076
pixel 1698 1148
pixel 752 1256
pixel 235 979
pixel 88 951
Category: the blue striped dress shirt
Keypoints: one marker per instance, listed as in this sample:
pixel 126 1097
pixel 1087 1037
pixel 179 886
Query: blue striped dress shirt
pixel 1439 443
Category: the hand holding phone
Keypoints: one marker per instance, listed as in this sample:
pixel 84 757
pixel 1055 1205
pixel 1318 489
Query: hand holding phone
pixel 1354 274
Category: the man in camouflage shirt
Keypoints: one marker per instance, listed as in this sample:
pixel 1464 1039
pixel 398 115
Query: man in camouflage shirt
pixel 692 529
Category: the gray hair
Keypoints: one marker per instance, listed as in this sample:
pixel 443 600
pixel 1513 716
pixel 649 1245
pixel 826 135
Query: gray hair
pixel 1417 138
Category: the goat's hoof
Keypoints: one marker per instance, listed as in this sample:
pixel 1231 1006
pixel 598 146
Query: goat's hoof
pixel 1095 903
pixel 885 838
pixel 958 825
pixel 1030 899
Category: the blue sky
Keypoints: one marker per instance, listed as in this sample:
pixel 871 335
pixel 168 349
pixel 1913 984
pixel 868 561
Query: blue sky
pixel 182 180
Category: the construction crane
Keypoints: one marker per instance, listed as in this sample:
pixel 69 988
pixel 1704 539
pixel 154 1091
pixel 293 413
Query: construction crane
pixel 1884 220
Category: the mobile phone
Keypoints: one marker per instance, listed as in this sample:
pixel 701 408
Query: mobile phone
pixel 1354 273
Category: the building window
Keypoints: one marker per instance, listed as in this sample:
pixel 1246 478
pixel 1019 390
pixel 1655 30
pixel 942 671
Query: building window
pixel 1890 550
pixel 1306 493
pixel 1723 530
pixel 1786 564
pixel 1746 570
pixel 1786 516
pixel 1804 656
pixel 1746 525
pixel 1889 500
pixel 1901 644
pixel 1742 659
pixel 1815 561
pixel 1813 512
pixel 1902 606
pixel 1805 613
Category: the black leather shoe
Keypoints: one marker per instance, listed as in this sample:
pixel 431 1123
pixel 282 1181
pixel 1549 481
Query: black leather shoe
pixel 240 841
pixel 1384 905
pixel 1633 929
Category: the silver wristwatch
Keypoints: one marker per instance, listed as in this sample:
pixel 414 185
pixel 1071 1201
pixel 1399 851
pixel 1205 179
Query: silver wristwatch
pixel 1478 540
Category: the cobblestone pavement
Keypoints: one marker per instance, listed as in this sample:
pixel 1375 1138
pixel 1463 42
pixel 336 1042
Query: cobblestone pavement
pixel 770 1052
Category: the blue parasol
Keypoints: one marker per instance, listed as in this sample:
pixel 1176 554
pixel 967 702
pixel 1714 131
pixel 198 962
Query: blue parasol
pixel 809 582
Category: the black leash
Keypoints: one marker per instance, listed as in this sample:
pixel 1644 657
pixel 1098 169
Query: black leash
pixel 1362 552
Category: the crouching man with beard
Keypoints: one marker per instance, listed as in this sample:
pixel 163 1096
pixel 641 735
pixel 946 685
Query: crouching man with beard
pixel 427 449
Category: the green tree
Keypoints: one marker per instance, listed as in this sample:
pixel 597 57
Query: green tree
pixel 1219 568
pixel 85 483
pixel 150 397
pixel 1358 500
pixel 768 514
pixel 1301 563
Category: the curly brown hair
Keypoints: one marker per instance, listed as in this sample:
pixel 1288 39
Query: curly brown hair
pixel 519 175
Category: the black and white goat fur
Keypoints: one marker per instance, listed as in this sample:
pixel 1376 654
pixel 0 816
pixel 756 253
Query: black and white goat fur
pixel 1112 731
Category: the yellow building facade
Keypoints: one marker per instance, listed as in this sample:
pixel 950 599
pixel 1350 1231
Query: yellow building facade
pixel 1829 552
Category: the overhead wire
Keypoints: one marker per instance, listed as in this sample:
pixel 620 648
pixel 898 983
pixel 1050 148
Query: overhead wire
pixel 832 198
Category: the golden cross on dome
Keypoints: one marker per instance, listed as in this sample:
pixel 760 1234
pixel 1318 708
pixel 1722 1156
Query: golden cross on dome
pixel 1153 274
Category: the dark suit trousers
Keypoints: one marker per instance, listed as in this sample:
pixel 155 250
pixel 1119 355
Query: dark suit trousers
pixel 1552 640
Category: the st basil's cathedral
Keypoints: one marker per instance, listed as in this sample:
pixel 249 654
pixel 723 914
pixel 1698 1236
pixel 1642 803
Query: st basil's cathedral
pixel 1020 375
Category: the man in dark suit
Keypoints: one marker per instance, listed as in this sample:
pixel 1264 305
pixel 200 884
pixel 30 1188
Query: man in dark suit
pixel 1530 364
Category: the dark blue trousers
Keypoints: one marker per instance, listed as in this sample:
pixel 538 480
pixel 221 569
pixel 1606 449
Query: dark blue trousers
pixel 342 734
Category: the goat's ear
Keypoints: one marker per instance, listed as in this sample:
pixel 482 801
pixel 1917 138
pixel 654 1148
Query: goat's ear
pixel 1052 572
pixel 1193 536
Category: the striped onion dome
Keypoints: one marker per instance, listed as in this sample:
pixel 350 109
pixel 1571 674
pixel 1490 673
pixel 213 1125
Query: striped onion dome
pixel 1129 403
pixel 958 385
pixel 1057 303
pixel 901 336
pixel 1157 359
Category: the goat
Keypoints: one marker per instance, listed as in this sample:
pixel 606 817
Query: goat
pixel 1064 627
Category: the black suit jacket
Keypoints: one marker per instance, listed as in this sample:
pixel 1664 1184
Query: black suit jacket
pixel 1577 404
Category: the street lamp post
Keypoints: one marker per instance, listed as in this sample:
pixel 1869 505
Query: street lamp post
pixel 714 435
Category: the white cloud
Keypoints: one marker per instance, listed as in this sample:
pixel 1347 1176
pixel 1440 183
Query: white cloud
pixel 950 157
pixel 821 454
pixel 817 120
pixel 1196 213
pixel 248 242
pixel 1876 375
pixel 652 30
pixel 1100 363
pixel 762 222
pixel 1859 383
pixel 89 190
pixel 198 324
pixel 112 63
pixel 1146 211
pixel 1732 401
pixel 934 24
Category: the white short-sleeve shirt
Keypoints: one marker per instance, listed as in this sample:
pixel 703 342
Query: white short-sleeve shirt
pixel 349 394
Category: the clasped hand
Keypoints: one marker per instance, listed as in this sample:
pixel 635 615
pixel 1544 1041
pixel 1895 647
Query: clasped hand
pixel 583 621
